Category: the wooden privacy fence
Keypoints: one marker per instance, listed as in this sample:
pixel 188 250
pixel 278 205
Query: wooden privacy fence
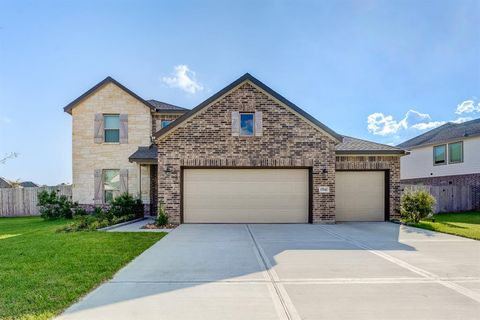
pixel 23 201
pixel 450 198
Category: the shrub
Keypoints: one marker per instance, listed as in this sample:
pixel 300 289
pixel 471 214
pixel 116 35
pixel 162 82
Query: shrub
pixel 416 205
pixel 54 206
pixel 126 205
pixel 162 217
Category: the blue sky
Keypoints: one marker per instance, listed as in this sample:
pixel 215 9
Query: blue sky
pixel 358 66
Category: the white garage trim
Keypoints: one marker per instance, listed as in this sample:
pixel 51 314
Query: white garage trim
pixel 245 195
pixel 362 195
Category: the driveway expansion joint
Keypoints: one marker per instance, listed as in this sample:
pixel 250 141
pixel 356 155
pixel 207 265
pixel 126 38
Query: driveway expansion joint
pixel 424 273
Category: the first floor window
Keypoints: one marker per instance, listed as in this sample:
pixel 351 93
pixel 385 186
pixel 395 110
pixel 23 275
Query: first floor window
pixel 455 152
pixel 247 122
pixel 111 124
pixel 439 154
pixel 111 184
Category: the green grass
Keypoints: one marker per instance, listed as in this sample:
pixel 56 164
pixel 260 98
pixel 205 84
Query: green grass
pixel 465 224
pixel 42 272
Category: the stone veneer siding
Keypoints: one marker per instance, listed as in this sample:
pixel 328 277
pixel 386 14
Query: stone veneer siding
pixel 88 156
pixel 390 163
pixel 206 141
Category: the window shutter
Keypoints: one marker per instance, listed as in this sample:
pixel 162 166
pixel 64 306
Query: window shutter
pixel 98 128
pixel 123 181
pixel 123 128
pixel 258 123
pixel 235 123
pixel 98 187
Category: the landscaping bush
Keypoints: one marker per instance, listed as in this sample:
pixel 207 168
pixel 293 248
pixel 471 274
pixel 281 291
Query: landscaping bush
pixel 122 208
pixel 416 205
pixel 162 217
pixel 54 206
pixel 126 205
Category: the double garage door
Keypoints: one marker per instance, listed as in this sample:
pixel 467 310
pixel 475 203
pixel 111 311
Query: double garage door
pixel 273 196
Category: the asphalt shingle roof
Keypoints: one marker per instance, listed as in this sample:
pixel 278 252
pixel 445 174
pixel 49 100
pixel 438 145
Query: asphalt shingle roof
pixel 28 184
pixel 162 106
pixel 447 132
pixel 144 154
pixel 351 145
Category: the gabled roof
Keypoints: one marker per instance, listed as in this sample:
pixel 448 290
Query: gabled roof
pixel 447 132
pixel 352 145
pixel 163 106
pixel 261 85
pixel 99 85
pixel 4 183
pixel 28 184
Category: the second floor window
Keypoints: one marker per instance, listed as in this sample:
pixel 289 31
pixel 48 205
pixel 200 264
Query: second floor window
pixel 247 124
pixel 112 128
pixel 439 154
pixel 165 123
pixel 455 152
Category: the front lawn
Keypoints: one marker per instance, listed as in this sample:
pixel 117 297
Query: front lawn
pixel 42 271
pixel 465 224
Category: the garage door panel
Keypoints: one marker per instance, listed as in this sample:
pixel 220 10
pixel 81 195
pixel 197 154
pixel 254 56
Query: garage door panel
pixel 360 195
pixel 245 195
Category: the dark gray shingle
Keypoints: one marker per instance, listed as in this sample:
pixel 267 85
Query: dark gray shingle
pixel 447 132
pixel 351 145
pixel 144 154
pixel 163 106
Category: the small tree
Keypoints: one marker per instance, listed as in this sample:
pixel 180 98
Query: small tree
pixel 162 217
pixel 416 205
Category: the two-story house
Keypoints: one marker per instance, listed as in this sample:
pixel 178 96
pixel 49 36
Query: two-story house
pixel 244 155
pixel 447 155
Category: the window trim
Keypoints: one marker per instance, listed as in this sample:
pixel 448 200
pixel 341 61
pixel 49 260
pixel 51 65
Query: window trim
pixel 449 158
pixel 105 128
pixel 445 161
pixel 240 124
pixel 103 184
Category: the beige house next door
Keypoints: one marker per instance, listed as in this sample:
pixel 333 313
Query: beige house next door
pixel 245 195
pixel 360 196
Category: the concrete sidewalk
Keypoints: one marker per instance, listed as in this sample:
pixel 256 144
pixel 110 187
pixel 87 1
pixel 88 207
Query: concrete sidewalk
pixel 342 271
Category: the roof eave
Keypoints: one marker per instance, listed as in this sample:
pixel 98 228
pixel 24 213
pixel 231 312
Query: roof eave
pixel 367 152
pixel 68 108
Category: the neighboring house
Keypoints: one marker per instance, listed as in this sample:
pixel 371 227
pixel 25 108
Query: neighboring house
pixel 244 155
pixel 447 155
pixel 28 184
pixel 4 183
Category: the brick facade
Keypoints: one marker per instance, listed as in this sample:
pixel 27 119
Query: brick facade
pixel 458 180
pixel 391 165
pixel 206 140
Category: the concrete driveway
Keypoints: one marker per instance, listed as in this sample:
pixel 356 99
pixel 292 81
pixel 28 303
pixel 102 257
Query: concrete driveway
pixel 342 271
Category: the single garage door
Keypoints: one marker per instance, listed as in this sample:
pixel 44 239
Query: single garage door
pixel 360 195
pixel 245 195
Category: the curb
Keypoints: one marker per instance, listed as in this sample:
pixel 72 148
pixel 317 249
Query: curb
pixel 121 224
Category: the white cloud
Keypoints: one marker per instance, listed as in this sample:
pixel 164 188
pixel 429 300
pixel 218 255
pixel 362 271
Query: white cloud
pixel 428 125
pixel 467 106
pixel 385 125
pixel 380 124
pixel 184 79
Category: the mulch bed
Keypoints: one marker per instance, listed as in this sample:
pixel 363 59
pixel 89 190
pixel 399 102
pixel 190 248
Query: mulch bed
pixel 154 226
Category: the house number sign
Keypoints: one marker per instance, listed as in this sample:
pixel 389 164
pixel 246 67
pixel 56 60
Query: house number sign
pixel 324 189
